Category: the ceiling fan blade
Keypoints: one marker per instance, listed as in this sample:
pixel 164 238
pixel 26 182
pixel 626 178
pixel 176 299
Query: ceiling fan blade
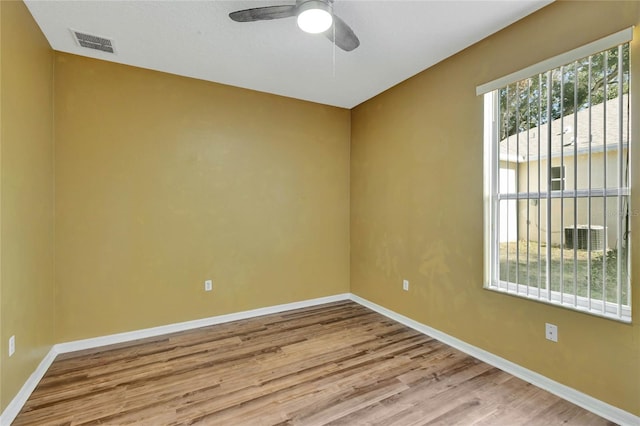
pixel 346 39
pixel 263 13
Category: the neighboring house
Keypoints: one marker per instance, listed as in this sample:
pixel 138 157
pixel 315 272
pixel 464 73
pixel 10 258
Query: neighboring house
pixel 524 168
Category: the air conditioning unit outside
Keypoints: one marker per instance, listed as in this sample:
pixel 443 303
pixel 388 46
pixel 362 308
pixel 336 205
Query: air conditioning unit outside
pixel 578 237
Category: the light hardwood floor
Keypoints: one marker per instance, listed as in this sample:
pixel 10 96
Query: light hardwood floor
pixel 338 364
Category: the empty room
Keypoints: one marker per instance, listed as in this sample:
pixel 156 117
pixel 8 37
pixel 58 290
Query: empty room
pixel 319 212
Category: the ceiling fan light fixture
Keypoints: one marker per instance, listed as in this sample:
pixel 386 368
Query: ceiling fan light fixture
pixel 314 16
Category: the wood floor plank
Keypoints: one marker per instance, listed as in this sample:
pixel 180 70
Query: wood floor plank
pixel 335 364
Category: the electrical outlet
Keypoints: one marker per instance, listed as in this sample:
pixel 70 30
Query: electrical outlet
pixel 12 345
pixel 405 285
pixel 208 285
pixel 551 332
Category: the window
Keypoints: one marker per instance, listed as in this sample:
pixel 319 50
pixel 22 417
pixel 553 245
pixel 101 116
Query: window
pixel 557 178
pixel 557 140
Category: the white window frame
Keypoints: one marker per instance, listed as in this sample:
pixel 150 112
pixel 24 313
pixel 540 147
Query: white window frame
pixel 560 179
pixel 491 156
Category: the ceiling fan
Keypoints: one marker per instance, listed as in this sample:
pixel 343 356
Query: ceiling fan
pixel 314 16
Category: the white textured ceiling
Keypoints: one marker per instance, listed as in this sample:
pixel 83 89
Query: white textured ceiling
pixel 197 39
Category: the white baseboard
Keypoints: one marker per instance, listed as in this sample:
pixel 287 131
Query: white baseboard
pixel 583 400
pixel 16 404
pixel 129 336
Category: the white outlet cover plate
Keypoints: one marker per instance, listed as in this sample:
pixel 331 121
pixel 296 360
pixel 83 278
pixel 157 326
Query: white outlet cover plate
pixel 551 332
pixel 405 285
pixel 12 345
pixel 208 285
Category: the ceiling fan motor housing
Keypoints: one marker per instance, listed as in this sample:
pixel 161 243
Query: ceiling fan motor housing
pixel 314 16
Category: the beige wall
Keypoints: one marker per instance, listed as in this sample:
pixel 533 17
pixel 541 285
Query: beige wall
pixel 598 215
pixel 417 209
pixel 26 196
pixel 164 181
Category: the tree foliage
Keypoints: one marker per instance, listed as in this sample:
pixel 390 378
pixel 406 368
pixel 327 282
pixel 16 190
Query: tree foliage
pixel 589 81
